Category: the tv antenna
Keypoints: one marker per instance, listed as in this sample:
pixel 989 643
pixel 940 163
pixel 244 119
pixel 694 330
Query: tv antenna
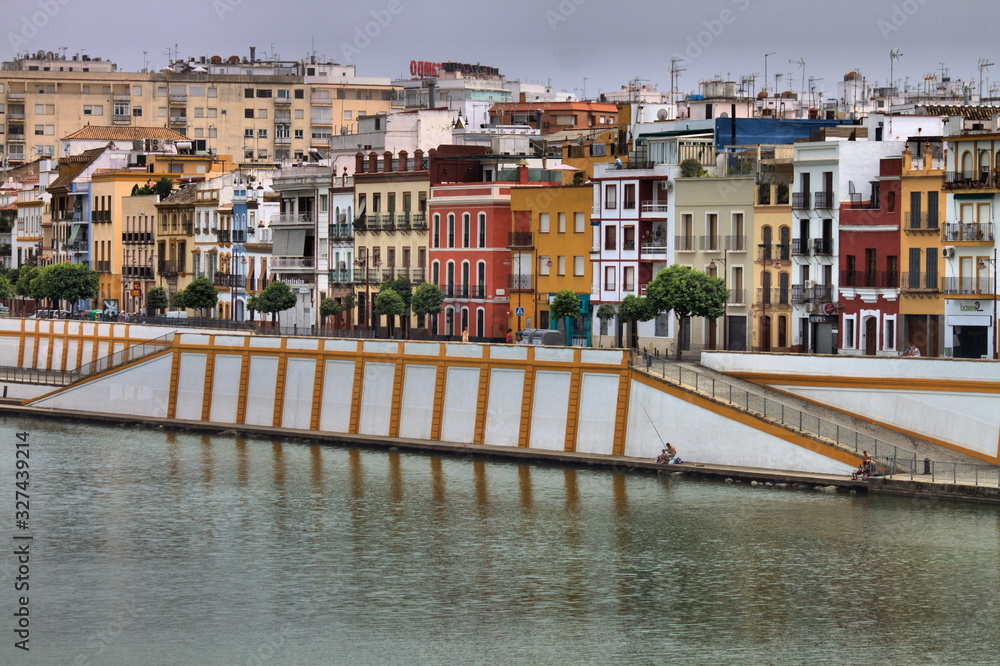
pixel 984 64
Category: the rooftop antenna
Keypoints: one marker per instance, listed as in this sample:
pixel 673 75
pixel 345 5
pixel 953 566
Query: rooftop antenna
pixel 812 88
pixel 145 62
pixel 894 55
pixel 802 81
pixel 984 64
pixel 674 78
pixel 765 69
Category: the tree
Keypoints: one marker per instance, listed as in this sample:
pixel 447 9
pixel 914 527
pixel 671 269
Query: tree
pixel 329 308
pixel 565 305
pixel 348 303
pixel 605 312
pixel 691 168
pixel 156 300
pixel 200 294
pixel 632 310
pixel 65 281
pixel 276 297
pixel 427 299
pixel 688 293
pixel 404 288
pixel 6 288
pixel 179 301
pixel 390 304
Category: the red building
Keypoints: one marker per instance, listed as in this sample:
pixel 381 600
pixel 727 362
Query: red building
pixel 869 267
pixel 470 232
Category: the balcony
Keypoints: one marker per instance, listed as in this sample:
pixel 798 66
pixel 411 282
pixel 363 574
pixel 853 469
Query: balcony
pixel 822 246
pixel 920 221
pixel 282 101
pixel 775 296
pixel 800 200
pixel 709 244
pixel 418 221
pixel 282 140
pixel 628 244
pixel 178 120
pixel 341 232
pixel 102 266
pixel 969 286
pixel 736 297
pixel 800 246
pixel 869 280
pixel 611 244
pixel 919 282
pixel 477 292
pixel 13 96
pixel 294 220
pixel 15 115
pixel 971 180
pixel 820 292
pixel 653 209
pixel 15 136
pixel 222 236
pixel 824 200
pixel 968 233
pixel 418 275
pixel 684 243
pixel 100 216
pixel 137 238
pixel 736 243
pixel 519 239
pixel 170 268
pixel 137 273
pixel 368 275
pixel 518 282
pixel 292 263
pixel 230 280
pixel 654 250
pixel 239 235
pixel 341 275
pixel 178 98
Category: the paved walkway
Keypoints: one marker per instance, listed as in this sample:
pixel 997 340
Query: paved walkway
pixel 914 445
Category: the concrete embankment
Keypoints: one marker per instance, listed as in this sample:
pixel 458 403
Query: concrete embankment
pixel 907 487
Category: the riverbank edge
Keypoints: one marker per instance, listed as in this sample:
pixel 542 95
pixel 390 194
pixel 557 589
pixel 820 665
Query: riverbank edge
pixel 889 486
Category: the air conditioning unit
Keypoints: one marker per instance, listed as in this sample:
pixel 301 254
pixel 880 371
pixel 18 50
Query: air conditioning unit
pixel 810 284
pixel 948 251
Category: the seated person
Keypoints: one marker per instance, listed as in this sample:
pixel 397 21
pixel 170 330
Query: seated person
pixel 663 457
pixel 672 456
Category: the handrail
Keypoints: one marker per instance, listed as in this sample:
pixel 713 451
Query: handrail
pixel 127 355
pixel 891 460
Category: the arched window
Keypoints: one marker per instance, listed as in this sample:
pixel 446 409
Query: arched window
pixel 785 234
pixel 436 226
pixel 481 280
pixel 451 230
pixel 967 164
pixel 782 331
pixel 449 287
pixel 449 321
pixel 783 289
pixel 765 287
pixel 466 231
pixel 481 323
pixel 465 318
pixel 436 273
pixel 482 228
pixel 765 241
pixel 465 278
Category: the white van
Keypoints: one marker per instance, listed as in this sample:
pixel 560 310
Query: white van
pixel 177 314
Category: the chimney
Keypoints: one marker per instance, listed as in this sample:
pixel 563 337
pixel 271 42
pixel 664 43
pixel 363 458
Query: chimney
pixel 522 174
pixel 402 160
pixel 373 162
pixel 387 161
pixel 359 162
pixel 523 98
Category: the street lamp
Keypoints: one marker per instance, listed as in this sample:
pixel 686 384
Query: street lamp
pixel 725 283
pixel 369 311
pixel 993 287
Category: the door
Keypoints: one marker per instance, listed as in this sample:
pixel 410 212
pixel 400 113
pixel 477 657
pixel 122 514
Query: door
pixel 737 333
pixel 765 334
pixel 871 336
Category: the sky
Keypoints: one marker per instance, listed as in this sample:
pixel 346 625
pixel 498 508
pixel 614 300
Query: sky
pixel 582 46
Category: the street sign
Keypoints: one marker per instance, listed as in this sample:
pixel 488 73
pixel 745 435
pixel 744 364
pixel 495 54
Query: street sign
pixel 518 312
pixel 136 292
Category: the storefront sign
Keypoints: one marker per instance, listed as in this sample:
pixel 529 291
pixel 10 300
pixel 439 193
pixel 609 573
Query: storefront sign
pixel 422 69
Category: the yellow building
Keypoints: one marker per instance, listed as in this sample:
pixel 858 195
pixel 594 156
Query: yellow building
pixel 921 303
pixel 390 225
pixel 558 219
pixel 257 111
pixel 772 245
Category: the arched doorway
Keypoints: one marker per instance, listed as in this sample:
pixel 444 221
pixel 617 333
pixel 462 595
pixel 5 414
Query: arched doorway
pixel 871 336
pixel 765 334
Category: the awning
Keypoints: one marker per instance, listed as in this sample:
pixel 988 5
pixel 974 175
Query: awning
pixel 288 242
pixel 76 234
pixel 969 320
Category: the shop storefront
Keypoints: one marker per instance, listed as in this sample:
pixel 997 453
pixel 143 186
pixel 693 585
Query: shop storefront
pixel 969 328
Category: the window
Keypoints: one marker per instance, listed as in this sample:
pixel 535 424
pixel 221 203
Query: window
pixel 211 112
pixel 298 134
pixel 263 92
pixel 248 92
pixel 466 229
pixel 262 114
pixel 609 278
pixel 248 134
pixel 300 94
pixel 451 230
pixel 248 113
pixel 562 223
pixel 299 114
pixel 543 223
pixel 610 197
pixel 199 112
pixel 849 332
pixel 578 266
pixel 578 223
pixel 482 230
pixel 347 114
pixel 262 134
pixel 544 262
pixel 281 132
pixel 560 265
pixel 45 109
pixel 93 109
pixel 436 225
pixel 628 283
pixel 262 154
pixel 629 199
pixel 889 333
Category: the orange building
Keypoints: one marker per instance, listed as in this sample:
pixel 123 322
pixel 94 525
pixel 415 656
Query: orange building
pixel 551 117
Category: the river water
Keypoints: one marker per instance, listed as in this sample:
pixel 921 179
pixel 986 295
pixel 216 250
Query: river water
pixel 155 547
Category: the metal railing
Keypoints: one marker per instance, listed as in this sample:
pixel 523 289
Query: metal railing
pixel 890 460
pixel 127 355
pixel 969 232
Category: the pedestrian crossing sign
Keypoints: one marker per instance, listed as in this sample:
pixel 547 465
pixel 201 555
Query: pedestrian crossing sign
pixel 518 312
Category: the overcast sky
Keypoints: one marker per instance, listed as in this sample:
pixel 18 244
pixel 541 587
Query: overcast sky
pixel 608 42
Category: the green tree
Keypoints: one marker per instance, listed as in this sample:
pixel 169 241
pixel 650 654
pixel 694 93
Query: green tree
pixel 6 288
pixel 404 288
pixel 200 295
pixel 65 281
pixel 565 305
pixel 605 312
pixel 691 168
pixel 179 300
pixel 276 297
pixel 390 304
pixel 156 300
pixel 427 299
pixel 687 293
pixel 329 308
pixel 632 310
pixel 348 303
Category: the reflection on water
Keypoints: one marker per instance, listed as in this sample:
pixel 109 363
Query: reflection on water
pixel 190 548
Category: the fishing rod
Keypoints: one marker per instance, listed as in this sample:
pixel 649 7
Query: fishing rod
pixel 651 422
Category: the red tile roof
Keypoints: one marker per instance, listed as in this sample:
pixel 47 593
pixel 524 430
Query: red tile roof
pixel 99 133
